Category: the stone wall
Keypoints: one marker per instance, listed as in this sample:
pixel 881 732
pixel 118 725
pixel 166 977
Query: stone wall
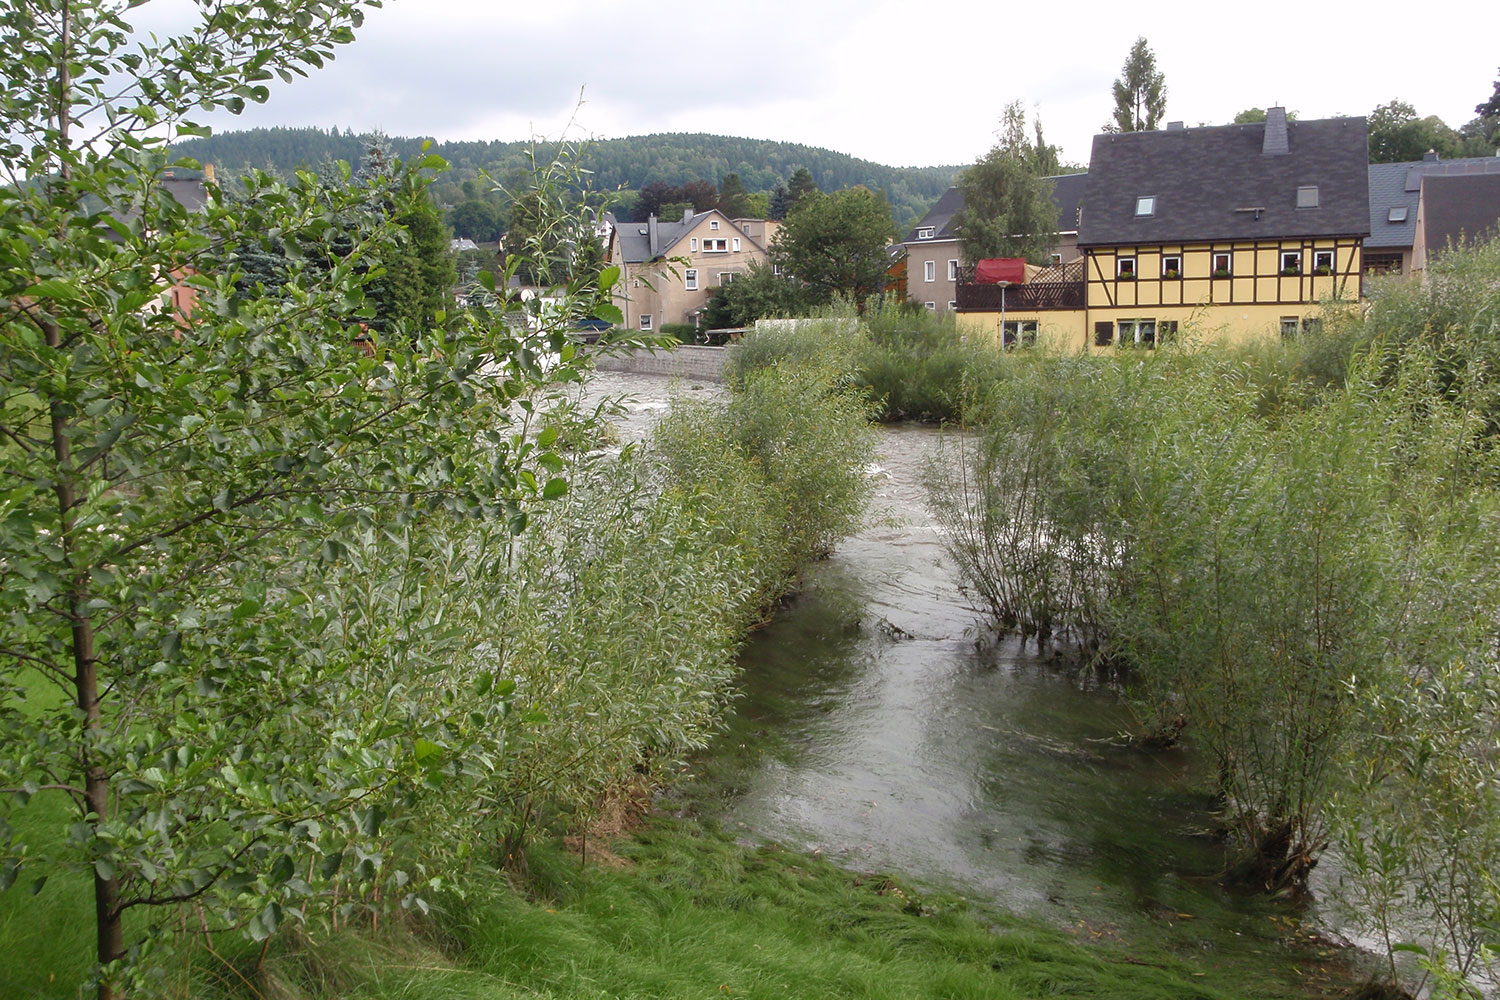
pixel 683 361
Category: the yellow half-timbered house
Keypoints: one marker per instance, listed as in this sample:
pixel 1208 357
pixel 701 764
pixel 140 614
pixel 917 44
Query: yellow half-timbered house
pixel 1227 232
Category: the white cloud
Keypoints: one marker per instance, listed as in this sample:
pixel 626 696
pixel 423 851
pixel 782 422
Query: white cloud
pixel 900 83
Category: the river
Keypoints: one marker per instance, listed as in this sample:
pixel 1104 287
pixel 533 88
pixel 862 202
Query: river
pixel 880 724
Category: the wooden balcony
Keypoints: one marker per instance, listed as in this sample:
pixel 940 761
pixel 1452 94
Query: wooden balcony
pixel 1053 288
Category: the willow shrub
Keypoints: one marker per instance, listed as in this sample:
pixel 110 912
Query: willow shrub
pixel 1254 574
pixel 599 647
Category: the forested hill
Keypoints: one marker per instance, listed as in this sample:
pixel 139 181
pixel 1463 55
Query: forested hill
pixel 618 164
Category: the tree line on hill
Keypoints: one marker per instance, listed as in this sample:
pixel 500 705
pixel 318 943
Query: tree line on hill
pixel 621 169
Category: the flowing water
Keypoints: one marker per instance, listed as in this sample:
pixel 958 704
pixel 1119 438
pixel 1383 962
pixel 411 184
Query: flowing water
pixel 880 725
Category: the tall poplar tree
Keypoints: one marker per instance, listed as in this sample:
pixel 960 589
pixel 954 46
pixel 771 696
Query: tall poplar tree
pixel 1140 92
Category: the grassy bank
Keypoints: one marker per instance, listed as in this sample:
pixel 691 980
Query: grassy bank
pixel 685 913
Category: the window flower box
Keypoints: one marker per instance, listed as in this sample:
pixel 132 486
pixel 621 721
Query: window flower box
pixel 1171 274
pixel 1323 271
pixel 1290 272
pixel 1127 275
pixel 1222 272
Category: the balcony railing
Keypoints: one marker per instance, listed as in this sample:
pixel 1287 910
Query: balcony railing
pixel 1052 288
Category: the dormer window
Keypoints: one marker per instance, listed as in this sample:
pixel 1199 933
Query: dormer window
pixel 1307 196
pixel 925 233
pixel 1396 214
pixel 1145 205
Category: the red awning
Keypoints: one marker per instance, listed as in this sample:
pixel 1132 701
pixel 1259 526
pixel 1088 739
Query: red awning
pixel 994 270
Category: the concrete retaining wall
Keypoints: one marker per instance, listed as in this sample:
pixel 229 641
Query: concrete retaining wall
pixel 683 361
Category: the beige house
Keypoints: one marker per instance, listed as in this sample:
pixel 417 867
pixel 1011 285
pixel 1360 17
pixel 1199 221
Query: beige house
pixel 669 269
pixel 934 253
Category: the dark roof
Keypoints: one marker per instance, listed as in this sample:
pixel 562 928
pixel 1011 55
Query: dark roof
pixel 1460 208
pixel 939 216
pixel 1067 195
pixel 188 192
pixel 1397 185
pixel 1203 177
pixel 635 237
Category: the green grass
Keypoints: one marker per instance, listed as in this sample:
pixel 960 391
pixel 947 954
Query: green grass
pixel 695 915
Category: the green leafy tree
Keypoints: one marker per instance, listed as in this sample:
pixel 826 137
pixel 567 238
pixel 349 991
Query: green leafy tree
pixel 1140 92
pixel 1483 132
pixel 475 220
pixel 757 205
pixel 182 493
pixel 836 244
pixel 734 200
pixel 1398 135
pixel 1254 116
pixel 760 294
pixel 1008 208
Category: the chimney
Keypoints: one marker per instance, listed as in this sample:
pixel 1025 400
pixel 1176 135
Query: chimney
pixel 1276 142
pixel 652 242
pixel 1174 126
pixel 208 173
pixel 687 215
pixel 1430 156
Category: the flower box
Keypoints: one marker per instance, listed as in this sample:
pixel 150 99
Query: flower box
pixel 1222 272
pixel 1171 275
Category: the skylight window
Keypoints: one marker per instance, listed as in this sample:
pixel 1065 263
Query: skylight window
pixel 1307 196
pixel 1396 214
pixel 1145 205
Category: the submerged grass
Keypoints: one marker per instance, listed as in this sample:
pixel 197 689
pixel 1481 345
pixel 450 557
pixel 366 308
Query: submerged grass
pixel 693 914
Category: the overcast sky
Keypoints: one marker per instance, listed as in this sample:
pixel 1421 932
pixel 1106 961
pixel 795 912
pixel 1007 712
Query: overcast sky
pixel 901 83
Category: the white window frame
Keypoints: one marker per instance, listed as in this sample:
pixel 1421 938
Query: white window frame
pixel 1056 259
pixel 929 270
pixel 645 321
pixel 952 305
pixel 930 306
pixel 734 244
pixel 693 243
pixel 690 279
pixel 1228 264
pixel 1165 267
pixel 926 232
pixel 1016 333
pixel 952 270
pixel 715 246
pixel 713 224
pixel 1145 205
pixel 1320 256
pixel 1120 267
pixel 1291 260
pixel 727 277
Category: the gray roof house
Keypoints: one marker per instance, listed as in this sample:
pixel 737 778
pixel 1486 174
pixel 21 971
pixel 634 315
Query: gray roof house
pixel 1394 192
pixel 1263 181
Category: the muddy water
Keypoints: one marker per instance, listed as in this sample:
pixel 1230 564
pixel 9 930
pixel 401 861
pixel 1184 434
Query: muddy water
pixel 881 726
